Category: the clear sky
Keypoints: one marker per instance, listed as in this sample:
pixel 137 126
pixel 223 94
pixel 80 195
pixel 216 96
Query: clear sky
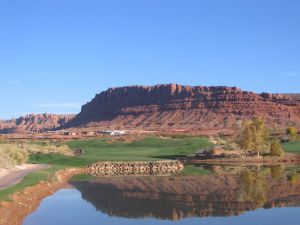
pixel 57 54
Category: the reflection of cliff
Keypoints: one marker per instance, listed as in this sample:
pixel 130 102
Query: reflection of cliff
pixel 191 196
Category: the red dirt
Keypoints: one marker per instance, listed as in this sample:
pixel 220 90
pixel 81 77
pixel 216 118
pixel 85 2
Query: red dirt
pixel 27 201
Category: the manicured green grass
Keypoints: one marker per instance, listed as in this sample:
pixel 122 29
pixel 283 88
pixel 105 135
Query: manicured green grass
pixel 30 180
pixel 292 146
pixel 151 148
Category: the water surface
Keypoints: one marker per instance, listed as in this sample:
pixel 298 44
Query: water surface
pixel 261 197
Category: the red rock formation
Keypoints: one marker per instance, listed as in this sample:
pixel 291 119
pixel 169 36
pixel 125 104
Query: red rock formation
pixel 177 107
pixel 34 123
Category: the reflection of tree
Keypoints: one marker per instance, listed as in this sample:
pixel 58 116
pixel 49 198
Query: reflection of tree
pixel 277 171
pixel 253 188
pixel 293 176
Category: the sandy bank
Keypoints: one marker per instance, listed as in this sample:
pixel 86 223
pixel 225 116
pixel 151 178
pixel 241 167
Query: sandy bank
pixel 12 176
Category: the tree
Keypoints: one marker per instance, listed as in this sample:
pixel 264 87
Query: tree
pixel 254 136
pixel 275 149
pixel 292 132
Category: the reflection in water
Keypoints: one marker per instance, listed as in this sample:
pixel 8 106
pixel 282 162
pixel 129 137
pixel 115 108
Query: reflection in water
pixel 277 171
pixel 179 197
pixel 253 188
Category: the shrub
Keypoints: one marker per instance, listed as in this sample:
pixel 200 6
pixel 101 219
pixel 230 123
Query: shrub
pixel 11 155
pixel 275 149
pixel 292 132
pixel 47 148
pixel 16 153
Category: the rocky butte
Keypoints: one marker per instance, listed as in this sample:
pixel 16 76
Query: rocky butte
pixel 34 123
pixel 174 107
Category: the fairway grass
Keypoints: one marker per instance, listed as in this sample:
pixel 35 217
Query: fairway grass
pixel 292 147
pixel 148 149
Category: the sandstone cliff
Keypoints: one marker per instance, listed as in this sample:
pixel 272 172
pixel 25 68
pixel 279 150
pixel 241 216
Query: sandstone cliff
pixel 34 123
pixel 178 107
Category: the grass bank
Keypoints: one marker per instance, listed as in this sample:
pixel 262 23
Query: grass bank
pixel 30 180
pixel 292 146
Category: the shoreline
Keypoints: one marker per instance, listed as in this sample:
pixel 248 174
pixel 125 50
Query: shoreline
pixel 28 200
pixel 288 159
pixel 12 176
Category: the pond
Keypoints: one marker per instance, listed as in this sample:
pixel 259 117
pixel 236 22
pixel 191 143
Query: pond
pixel 218 196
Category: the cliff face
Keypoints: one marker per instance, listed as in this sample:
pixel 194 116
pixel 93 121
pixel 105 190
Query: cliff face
pixel 34 123
pixel 174 106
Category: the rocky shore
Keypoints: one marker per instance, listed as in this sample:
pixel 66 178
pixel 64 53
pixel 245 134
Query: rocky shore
pixel 159 168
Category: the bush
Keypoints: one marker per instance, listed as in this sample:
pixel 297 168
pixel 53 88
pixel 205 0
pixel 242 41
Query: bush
pixel 11 155
pixel 275 149
pixel 292 132
pixel 16 153
pixel 47 148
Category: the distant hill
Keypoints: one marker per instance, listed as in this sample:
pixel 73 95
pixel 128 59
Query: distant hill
pixel 294 96
pixel 34 123
pixel 169 107
pixel 176 107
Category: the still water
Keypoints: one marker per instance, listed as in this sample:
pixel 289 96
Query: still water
pixel 264 197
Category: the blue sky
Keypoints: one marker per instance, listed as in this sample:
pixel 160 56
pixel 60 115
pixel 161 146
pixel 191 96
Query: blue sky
pixel 57 54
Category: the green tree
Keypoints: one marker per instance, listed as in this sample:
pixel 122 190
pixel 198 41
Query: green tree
pixel 292 132
pixel 275 149
pixel 254 136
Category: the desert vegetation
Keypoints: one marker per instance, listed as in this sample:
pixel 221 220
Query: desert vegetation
pixel 17 153
pixel 11 155
pixel 292 132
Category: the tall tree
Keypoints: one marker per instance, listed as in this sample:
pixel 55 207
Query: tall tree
pixel 254 136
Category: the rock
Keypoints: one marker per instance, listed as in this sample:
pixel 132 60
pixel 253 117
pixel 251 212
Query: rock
pixel 178 107
pixel 34 123
pixel 135 168
pixel 78 152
